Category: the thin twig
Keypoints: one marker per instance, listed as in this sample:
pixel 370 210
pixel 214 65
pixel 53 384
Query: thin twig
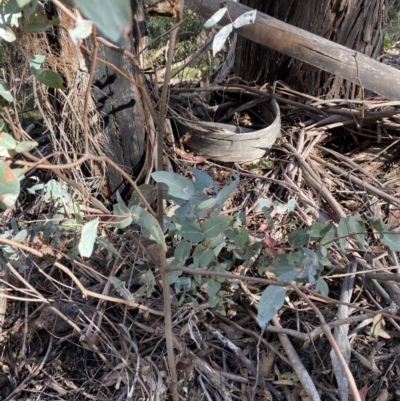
pixel 88 93
pixel 160 210
pixel 327 331
pixel 86 293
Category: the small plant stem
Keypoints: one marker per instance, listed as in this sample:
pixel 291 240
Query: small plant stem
pixel 160 212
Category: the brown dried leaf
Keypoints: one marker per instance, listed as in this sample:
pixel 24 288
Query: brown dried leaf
pixel 267 363
pixel 190 156
pixel 186 137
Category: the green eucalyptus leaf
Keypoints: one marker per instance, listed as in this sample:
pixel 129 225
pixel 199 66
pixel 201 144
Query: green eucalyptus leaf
pixel 9 7
pixel 265 205
pixel 221 37
pixel 48 78
pixel 36 61
pixel 212 287
pixel 392 240
pixel 112 18
pixel 6 94
pixel 272 299
pixel 322 287
pixel 25 146
pixel 207 204
pixel 82 30
pixel 119 286
pixel 245 19
pixel 182 251
pixel 38 22
pixel 191 232
pixel 146 220
pixel 214 227
pixel 298 238
pixel 291 205
pixel 173 276
pixel 319 230
pixel 214 301
pixel 55 190
pixel 121 209
pixel 202 256
pixel 280 208
pixel 203 177
pixel 183 284
pixel 357 228
pixel 378 224
pixel 88 238
pixel 7 141
pixel 309 262
pixel 7 34
pixel 226 192
pixel 21 235
pixel 343 231
pixel 123 216
pixel 103 242
pixel 177 186
pixel 215 18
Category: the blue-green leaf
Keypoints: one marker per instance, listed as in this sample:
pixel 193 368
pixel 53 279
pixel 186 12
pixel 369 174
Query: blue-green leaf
pixel 146 220
pixel 112 18
pixel 226 192
pixel 123 216
pixel 215 18
pixel 265 204
pixel 183 284
pixel 182 251
pixel 298 238
pixel 177 186
pixel 291 205
pixel 212 287
pixel 378 224
pixel 82 30
pixel 245 19
pixel 203 177
pixel 392 240
pixel 202 256
pixel 48 78
pixel 322 287
pixel 191 232
pixel 214 227
pixel 106 245
pixel 272 299
pixel 25 146
pixel 6 94
pixel 357 228
pixel 88 237
pixel 36 61
pixel 343 232
pixel 220 38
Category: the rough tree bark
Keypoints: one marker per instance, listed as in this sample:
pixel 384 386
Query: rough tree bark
pixel 351 23
pixel 121 106
pixel 117 117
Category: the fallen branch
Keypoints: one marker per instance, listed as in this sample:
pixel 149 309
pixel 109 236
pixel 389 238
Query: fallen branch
pixel 309 48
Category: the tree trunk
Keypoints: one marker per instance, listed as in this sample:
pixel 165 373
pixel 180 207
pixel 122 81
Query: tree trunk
pixel 121 106
pixel 351 23
pixel 117 116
